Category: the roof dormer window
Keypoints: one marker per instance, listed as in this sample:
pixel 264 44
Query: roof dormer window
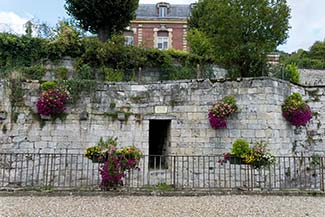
pixel 163 9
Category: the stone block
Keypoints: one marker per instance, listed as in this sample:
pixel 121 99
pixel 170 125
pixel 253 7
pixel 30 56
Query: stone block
pixel 259 133
pixel 248 133
pixel 234 133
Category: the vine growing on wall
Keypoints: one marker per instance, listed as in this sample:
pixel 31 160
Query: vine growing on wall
pixel 16 97
pixel 29 56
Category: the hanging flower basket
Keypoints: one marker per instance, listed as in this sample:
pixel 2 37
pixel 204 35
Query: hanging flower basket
pixel 220 111
pixel 217 122
pixel 52 102
pixel 295 111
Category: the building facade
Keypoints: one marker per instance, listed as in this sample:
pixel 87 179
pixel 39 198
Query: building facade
pixel 160 25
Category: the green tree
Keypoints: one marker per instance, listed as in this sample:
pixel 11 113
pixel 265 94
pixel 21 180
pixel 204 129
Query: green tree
pixel 199 43
pixel 242 32
pixel 317 51
pixel 312 59
pixel 104 17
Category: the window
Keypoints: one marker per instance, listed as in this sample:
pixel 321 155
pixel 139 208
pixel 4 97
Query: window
pixel 162 43
pixel 162 40
pixel 129 40
pixel 162 11
pixel 128 36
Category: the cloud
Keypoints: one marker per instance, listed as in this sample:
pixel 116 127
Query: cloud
pixel 307 24
pixel 11 22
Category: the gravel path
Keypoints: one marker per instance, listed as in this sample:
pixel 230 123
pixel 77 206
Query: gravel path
pixel 225 206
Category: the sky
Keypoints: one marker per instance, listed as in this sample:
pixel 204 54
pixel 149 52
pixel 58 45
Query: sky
pixel 307 18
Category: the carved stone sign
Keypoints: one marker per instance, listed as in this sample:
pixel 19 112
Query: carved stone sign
pixel 161 109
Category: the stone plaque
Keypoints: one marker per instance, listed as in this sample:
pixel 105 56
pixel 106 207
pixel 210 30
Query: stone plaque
pixel 161 109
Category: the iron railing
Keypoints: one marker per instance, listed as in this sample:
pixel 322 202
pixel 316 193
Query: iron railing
pixel 70 170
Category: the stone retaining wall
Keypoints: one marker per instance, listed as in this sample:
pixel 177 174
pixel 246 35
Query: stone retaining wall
pixel 125 110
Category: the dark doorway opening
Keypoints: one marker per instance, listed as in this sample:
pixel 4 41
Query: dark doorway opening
pixel 159 133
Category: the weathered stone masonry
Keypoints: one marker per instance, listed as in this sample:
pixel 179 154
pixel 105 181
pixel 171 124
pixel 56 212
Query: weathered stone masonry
pixel 125 110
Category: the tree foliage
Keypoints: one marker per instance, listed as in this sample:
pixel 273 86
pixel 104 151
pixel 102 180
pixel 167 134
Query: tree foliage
pixel 312 59
pixel 104 17
pixel 242 32
pixel 93 59
pixel 199 43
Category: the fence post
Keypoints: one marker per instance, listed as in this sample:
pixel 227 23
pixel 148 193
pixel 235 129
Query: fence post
pixel 174 172
pixel 322 174
pixel 252 177
pixel 140 75
pixel 198 71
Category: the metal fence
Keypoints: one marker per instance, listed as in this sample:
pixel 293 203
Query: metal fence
pixel 74 171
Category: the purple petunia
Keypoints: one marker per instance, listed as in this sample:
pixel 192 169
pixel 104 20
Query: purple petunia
pixel 299 116
pixel 217 122
pixel 52 102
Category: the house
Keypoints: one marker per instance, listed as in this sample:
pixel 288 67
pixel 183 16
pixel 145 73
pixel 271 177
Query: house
pixel 160 25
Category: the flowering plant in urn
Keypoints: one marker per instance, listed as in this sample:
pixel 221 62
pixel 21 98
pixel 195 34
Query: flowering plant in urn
pixel 115 162
pixel 221 110
pixel 297 112
pixel 241 153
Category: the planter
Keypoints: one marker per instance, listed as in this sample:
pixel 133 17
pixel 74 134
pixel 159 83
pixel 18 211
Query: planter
pixel 97 159
pixel 236 160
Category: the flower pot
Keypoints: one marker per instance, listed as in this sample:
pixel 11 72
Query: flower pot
pixel 97 159
pixel 236 160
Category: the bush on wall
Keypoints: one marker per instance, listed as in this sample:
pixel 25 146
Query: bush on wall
pixel 90 52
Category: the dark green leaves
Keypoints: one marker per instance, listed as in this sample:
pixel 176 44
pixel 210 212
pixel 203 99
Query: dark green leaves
pixel 241 32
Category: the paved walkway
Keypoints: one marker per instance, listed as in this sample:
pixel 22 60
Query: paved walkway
pixel 225 206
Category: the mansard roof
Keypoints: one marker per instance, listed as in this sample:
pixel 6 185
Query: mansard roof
pixel 176 11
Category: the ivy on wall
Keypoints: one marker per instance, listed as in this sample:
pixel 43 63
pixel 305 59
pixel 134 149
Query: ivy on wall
pixel 94 59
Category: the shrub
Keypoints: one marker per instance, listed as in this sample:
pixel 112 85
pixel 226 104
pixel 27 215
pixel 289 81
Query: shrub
pixel 36 72
pixel 180 73
pixel 68 40
pixel 17 52
pixel 84 71
pixel 113 75
pixel 48 85
pixel 240 148
pixel 289 73
pixel 21 51
pixel 297 112
pixel 62 73
pixel 292 73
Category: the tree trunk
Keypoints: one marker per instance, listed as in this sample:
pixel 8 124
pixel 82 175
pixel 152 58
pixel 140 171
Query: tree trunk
pixel 103 35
